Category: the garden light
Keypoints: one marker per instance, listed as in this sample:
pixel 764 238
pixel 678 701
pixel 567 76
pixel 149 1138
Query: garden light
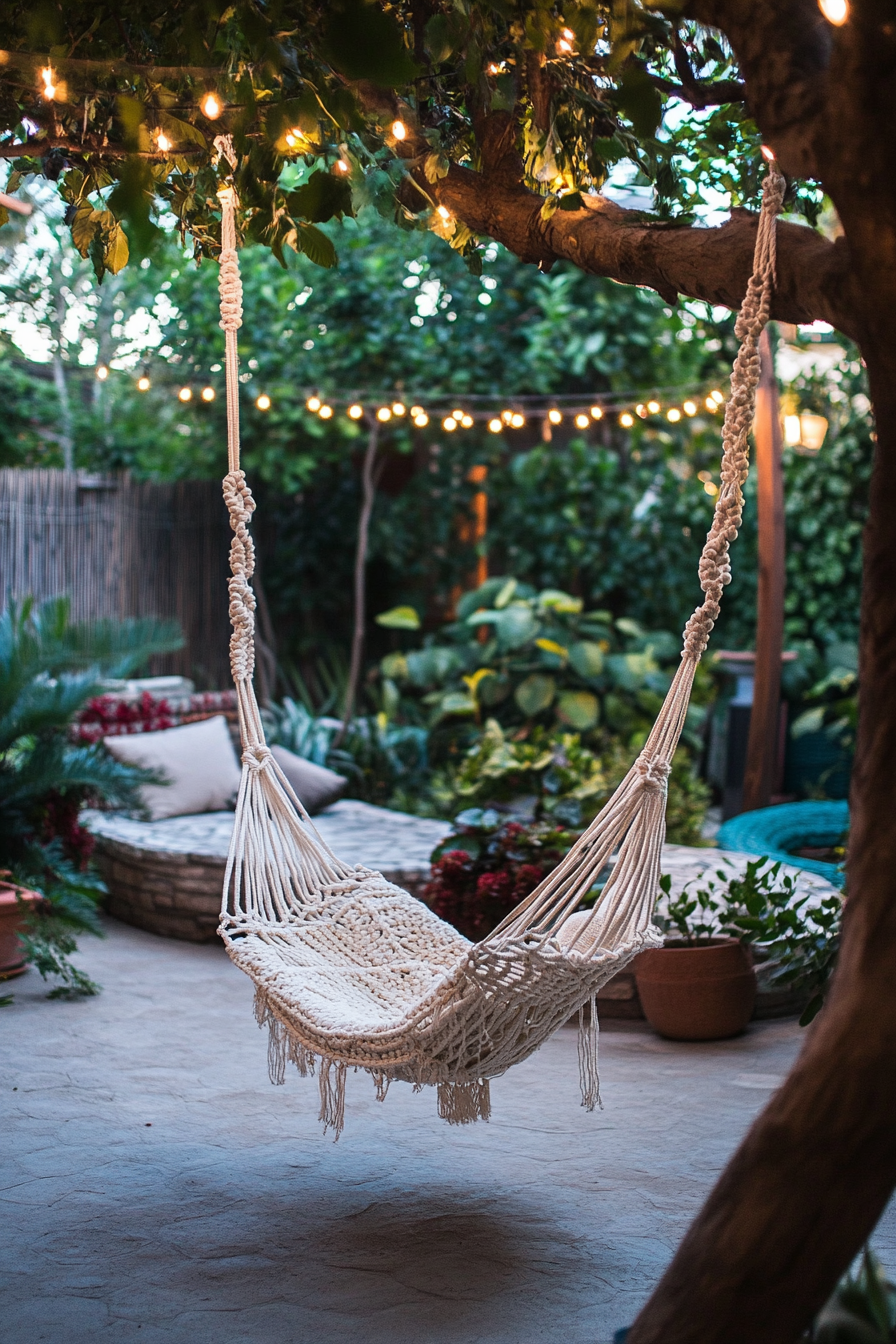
pixel 185 394
pixel 673 414
pixel 263 402
pixel 211 106
pixel 398 408
pixel 342 165
pixel 421 420
pixel 717 396
pixel 49 89
pixel 383 414
pixel 208 394
pixel 597 413
pixel 710 487
pixel 355 411
pixel 517 420
pixel 399 130
pixel 835 11
pixel 641 411
pixel 102 373
pixel 449 423
pixel 163 144
pixel 417 410
pixel 805 432
pixel 496 425
pixel 711 405
pixel 653 407
pixel 555 416
pixel 326 412
pixel 582 422
pixel 313 403
pixel 143 384
pixel 768 154
pixel 467 421
pixel 626 420
pixel 295 139
pixel 689 407
pixel 443 213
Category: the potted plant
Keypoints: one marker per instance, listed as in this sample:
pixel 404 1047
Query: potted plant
pixel 702 984
pixel 16 903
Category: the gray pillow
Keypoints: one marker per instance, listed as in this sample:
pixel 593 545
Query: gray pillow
pixel 316 786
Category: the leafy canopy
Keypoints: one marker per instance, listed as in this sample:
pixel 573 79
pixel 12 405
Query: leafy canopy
pixel 333 106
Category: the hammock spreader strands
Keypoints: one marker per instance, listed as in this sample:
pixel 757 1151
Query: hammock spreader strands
pixel 351 971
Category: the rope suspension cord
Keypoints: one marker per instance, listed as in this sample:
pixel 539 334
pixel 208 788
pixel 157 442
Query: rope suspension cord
pixel 351 971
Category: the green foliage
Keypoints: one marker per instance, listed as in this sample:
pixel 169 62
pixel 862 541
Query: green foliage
pixel 796 937
pixel 862 1308
pixel 49 669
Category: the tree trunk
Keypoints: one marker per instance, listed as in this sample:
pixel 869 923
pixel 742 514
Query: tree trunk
pixel 66 438
pixel 368 491
pixel 813 1175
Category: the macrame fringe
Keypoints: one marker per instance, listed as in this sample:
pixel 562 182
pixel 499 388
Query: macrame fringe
pixel 589 1074
pixel 464 1103
pixel 332 1096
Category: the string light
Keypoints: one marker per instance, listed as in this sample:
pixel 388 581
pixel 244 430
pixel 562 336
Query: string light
pixel 211 106
pixel 399 130
pixel 49 89
pixel 326 412
pixel 102 373
pixel 295 139
pixel 496 425
pixel 313 403
pixel 383 414
pixel 517 420
pixel 143 384
pixel 355 411
pixel 689 407
pixel 442 212
pixel 208 394
pixel 421 420
pixel 626 420
pixel 417 410
pixel 555 416
pixel 673 414
pixel 582 422
pixel 597 413
pixel 768 154
pixel 711 405
pixel 467 421
pixel 163 144
pixel 653 407
pixel 835 11
pixel 564 46
pixel 263 402
pixel 641 411
pixel 185 394
pixel 449 423
pixel 717 396
pixel 398 408
pixel 507 417
pixel 342 165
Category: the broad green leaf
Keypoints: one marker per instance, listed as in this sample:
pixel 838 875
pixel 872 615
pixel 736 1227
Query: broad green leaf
pixel 456 702
pixel 115 250
pixel 640 100
pixel 506 593
pixel 535 694
pixel 551 646
pixel 394 665
pixel 580 709
pixel 321 198
pixel 399 618
pixel 810 721
pixel 473 680
pixel 555 600
pixel 363 41
pixel 429 667
pixel 587 658
pixel 84 226
pixel 514 626
pixel 435 166
pixel 181 133
pixel 316 246
pixel 571 201
pixel 629 627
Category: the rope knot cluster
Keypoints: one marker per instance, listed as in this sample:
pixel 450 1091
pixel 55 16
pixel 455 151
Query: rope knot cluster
pixel 654 772
pixel 241 506
pixel 256 757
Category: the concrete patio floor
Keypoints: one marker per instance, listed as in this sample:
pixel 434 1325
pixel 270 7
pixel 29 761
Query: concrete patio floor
pixel 156 1187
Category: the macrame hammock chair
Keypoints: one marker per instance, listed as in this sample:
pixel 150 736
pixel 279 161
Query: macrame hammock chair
pixel 350 971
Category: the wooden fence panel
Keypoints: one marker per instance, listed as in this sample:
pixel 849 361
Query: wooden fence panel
pixel 119 547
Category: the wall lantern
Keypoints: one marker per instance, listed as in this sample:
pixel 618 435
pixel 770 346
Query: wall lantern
pixel 805 433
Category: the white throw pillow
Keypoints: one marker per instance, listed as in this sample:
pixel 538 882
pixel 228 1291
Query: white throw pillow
pixel 316 786
pixel 198 760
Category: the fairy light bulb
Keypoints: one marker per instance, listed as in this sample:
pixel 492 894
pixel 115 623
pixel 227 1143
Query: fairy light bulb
pixel 835 11
pixel 626 420
pixel 263 402
pixel 582 422
pixel 555 416
pixel 641 411
pixel 399 130
pixel 711 405
pixel 507 417
pixel 49 89
pixel 208 394
pixel 597 413
pixel 517 420
pixel 421 420
pixel 417 410
pixel 449 423
pixel 185 394
pixel 355 411
pixel 143 384
pixel 496 425
pixel 163 143
pixel 313 403
pixel 653 407
pixel 326 412
pixel 673 414
pixel 467 421
pixel 384 414
pixel 342 165
pixel 717 396
pixel 398 408
pixel 102 373
pixel 295 139
pixel 689 407
pixel 442 212
pixel 211 106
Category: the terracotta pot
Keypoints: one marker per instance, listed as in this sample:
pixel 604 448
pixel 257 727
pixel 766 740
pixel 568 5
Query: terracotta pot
pixel 701 992
pixel 14 905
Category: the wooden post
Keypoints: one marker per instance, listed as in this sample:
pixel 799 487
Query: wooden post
pixel 762 745
pixel 479 509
